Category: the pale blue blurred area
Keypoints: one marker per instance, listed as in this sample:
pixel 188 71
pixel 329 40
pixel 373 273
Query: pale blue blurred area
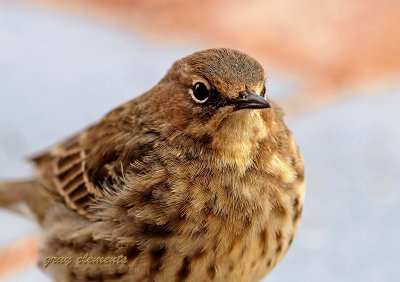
pixel 350 229
pixel 33 274
pixel 61 72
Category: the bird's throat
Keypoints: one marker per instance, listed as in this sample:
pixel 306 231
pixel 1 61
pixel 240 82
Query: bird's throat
pixel 236 142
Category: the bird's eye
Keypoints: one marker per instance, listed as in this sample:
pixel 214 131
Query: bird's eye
pixel 200 92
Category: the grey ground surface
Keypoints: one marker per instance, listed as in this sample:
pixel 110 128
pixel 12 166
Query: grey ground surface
pixel 60 73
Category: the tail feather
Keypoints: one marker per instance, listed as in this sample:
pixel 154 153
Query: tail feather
pixel 15 196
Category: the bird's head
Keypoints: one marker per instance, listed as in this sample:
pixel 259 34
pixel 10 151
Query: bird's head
pixel 215 100
pixel 202 92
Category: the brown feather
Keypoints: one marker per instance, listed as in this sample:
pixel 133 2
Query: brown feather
pixel 186 190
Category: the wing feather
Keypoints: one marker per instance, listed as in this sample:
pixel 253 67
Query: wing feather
pixel 77 169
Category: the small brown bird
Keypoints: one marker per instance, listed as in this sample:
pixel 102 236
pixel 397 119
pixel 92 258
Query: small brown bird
pixel 197 179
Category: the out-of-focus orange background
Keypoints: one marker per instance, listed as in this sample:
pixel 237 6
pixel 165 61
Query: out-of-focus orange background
pixel 329 47
pixel 342 58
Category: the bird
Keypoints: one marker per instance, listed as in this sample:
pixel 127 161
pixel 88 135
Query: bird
pixel 197 179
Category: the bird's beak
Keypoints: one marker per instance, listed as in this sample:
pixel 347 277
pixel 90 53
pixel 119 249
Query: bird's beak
pixel 249 100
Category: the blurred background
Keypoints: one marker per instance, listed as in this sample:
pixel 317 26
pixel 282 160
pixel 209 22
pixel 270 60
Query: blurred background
pixel 334 66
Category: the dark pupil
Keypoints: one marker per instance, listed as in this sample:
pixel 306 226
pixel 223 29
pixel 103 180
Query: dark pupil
pixel 200 91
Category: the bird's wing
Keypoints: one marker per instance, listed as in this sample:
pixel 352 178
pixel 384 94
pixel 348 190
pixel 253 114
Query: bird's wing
pixel 77 170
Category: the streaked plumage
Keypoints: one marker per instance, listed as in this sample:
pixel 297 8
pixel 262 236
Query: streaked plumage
pixel 187 190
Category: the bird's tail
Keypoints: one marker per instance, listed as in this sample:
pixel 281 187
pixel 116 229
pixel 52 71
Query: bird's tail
pixel 16 196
